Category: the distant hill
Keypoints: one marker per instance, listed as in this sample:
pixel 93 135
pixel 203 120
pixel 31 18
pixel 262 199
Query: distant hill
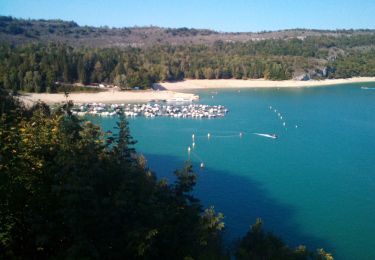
pixel 20 31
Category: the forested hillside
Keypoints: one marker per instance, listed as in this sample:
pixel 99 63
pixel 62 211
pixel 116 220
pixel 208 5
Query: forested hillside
pixel 32 61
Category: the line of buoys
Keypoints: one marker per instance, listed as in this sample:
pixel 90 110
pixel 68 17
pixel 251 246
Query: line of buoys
pixel 226 136
pixel 209 135
pixel 190 152
pixel 193 136
pixel 281 117
pixel 195 155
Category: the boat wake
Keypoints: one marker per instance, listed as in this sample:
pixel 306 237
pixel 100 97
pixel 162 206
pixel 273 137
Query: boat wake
pixel 273 136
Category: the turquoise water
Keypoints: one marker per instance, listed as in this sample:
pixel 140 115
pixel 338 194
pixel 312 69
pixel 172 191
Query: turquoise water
pixel 313 185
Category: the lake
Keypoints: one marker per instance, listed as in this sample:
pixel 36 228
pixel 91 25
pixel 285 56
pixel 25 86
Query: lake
pixel 313 185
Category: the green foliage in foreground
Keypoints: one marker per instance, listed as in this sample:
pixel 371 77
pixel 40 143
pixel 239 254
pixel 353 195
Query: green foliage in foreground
pixel 258 244
pixel 70 191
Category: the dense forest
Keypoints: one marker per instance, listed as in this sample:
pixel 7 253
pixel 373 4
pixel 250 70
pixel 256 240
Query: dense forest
pixel 36 68
pixel 42 68
pixel 37 65
pixel 70 191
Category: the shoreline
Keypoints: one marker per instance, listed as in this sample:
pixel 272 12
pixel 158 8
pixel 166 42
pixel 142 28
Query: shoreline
pixel 174 90
pixel 106 97
pixel 195 84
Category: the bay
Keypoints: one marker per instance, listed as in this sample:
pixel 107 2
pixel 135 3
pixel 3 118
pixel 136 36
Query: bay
pixel 313 185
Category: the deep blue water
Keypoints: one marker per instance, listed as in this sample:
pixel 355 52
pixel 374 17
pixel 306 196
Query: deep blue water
pixel 314 185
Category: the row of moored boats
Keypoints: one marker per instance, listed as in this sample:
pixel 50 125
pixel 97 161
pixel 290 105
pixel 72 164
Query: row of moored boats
pixel 151 110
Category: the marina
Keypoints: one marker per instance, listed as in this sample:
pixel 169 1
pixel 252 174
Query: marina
pixel 176 110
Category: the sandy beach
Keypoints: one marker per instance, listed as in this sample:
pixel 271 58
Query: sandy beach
pixel 191 84
pixel 170 90
pixel 107 96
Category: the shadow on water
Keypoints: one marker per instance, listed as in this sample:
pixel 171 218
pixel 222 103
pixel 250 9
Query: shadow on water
pixel 241 200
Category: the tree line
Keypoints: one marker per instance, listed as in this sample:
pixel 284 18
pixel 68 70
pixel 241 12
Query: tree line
pixel 355 64
pixel 37 68
pixel 43 68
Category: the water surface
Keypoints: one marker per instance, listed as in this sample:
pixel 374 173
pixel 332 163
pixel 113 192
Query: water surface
pixel 313 185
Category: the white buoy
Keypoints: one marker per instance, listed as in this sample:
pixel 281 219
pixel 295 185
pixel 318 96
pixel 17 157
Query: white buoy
pixel 284 124
pixel 189 149
pixel 270 107
pixel 193 144
pixel 241 134
pixel 275 110
pixel 212 97
pixel 202 165
pixel 296 126
pixel 193 137
pixel 281 117
pixel 208 135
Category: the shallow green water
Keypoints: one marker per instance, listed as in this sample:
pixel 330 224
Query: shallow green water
pixel 313 185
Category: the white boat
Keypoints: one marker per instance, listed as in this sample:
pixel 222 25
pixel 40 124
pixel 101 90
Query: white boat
pixel 273 136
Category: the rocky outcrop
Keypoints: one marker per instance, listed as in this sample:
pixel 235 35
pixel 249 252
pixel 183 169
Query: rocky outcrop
pixel 303 77
pixel 316 74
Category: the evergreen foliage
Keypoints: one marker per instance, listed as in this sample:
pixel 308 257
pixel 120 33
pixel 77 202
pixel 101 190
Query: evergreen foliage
pixel 259 245
pixel 39 68
pixel 70 191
